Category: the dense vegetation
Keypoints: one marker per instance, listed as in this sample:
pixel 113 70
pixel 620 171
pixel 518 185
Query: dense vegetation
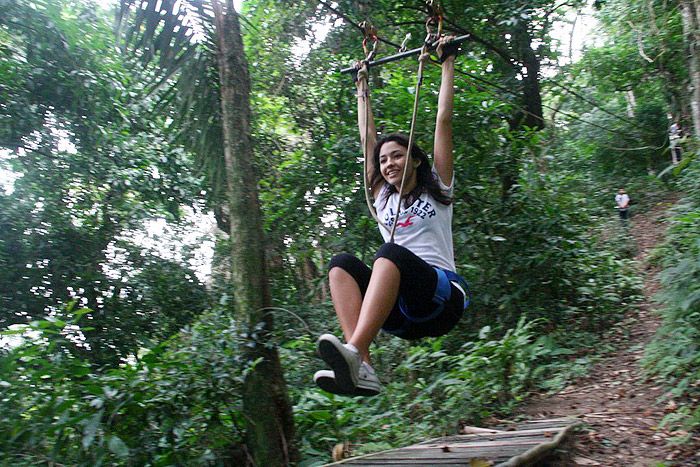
pixel 120 346
pixel 674 354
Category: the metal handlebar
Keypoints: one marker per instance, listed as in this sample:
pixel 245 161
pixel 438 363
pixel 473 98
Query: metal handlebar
pixel 399 56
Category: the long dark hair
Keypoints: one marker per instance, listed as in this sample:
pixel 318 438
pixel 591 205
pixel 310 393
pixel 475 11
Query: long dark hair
pixel 426 182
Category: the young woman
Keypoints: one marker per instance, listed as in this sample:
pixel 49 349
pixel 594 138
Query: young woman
pixel 412 290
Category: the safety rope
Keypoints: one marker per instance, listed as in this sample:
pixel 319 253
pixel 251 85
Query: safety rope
pixel 368 198
pixel 368 32
pixel 430 39
pixel 424 57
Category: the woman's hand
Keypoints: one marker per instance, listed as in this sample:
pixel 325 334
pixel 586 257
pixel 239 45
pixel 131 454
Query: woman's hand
pixel 446 49
pixel 362 72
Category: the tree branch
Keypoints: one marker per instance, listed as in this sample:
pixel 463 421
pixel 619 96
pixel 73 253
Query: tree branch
pixel 639 43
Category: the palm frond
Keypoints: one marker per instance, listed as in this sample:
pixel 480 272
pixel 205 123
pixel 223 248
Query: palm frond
pixel 175 38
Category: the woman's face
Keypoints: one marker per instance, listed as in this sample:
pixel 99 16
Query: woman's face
pixel 392 160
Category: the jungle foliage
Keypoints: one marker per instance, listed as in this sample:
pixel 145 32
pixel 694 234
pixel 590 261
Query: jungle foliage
pixel 117 352
pixel 674 353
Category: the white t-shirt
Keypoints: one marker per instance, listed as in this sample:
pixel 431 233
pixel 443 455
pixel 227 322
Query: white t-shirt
pixel 674 131
pixel 622 200
pixel 425 227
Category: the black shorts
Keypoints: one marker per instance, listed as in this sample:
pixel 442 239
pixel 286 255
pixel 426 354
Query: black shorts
pixel 416 291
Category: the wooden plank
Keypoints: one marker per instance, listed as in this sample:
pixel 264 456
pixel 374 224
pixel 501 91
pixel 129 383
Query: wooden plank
pixel 428 462
pixel 437 456
pixel 530 440
pixel 530 428
pixel 516 435
pixel 482 444
pixel 539 451
pixel 461 452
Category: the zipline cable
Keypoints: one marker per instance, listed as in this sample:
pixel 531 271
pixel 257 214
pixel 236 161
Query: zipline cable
pixel 598 106
pixel 510 60
pixel 501 88
pixel 356 25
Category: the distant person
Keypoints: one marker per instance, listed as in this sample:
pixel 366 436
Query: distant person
pixel 674 137
pixel 623 202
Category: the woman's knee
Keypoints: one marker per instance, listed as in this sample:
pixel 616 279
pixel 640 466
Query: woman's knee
pixel 397 254
pixel 346 265
pixel 343 261
pixel 390 251
pixel 338 274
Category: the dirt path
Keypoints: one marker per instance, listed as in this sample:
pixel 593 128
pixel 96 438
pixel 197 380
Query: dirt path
pixel 618 405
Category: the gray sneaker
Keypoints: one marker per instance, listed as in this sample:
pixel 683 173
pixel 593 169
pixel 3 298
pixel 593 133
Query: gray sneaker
pixel 367 385
pixel 344 360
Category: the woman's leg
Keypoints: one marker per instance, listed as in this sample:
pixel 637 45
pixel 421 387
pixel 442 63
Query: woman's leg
pixel 396 269
pixel 379 300
pixel 347 300
pixel 348 278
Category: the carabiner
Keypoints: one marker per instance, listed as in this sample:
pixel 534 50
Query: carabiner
pixel 370 54
pixel 369 32
pixel 436 14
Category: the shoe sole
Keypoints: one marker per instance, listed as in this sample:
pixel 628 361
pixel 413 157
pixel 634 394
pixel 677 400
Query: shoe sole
pixel 328 349
pixel 329 384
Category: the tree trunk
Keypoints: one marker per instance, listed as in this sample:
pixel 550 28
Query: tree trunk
pixel 533 118
pixel 266 404
pixel 690 9
pixel 529 111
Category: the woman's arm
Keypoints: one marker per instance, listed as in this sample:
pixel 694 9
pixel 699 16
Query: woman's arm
pixel 442 145
pixel 365 123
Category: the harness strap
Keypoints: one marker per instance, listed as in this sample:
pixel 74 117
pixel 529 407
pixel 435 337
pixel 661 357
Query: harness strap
pixel 454 277
pixel 443 291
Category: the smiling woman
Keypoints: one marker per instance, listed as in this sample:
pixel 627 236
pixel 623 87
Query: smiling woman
pixel 392 165
pixel 412 290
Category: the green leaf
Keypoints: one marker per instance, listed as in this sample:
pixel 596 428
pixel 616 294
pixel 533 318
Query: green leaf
pixel 321 414
pixel 484 332
pixel 90 430
pixel 117 446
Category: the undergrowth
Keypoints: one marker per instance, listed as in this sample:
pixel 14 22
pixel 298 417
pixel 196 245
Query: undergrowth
pixel 674 355
pixel 432 392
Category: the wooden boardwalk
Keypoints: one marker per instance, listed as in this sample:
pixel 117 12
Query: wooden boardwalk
pixel 533 443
